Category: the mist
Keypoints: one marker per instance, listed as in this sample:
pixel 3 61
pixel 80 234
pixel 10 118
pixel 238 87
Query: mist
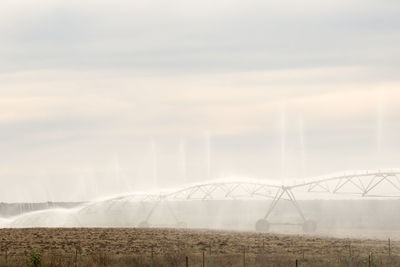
pixel 101 101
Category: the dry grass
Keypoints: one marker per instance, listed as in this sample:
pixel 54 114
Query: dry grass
pixel 133 246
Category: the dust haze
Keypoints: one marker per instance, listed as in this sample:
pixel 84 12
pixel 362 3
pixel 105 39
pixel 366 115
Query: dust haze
pixel 254 116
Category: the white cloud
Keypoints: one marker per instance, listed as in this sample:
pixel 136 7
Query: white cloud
pixel 83 81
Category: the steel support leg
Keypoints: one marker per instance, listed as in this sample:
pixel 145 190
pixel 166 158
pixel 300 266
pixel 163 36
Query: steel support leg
pixel 277 197
pixel 295 203
pixel 152 210
pixel 292 199
pixel 172 212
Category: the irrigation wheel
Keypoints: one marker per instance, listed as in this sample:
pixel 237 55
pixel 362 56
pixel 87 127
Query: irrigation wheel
pixel 262 226
pixel 181 225
pixel 309 226
pixel 144 224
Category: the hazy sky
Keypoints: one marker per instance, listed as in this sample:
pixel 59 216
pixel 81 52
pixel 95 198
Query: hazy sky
pixel 102 97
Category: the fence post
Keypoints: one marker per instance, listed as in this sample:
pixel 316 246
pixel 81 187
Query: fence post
pixel 152 257
pixel 263 248
pixel 187 261
pixel 390 255
pixel 369 260
pixel 351 257
pixel 297 263
pixel 244 256
pixel 211 258
pixel 203 257
pixel 76 257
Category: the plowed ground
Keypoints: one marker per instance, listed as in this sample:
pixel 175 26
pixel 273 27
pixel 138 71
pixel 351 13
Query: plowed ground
pixel 170 247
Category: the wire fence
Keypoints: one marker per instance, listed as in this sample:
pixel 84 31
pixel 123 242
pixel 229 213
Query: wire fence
pixel 203 258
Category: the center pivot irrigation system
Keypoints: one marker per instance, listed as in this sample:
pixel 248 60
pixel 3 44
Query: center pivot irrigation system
pixel 354 185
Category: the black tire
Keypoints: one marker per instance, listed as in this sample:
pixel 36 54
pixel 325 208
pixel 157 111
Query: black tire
pixel 262 226
pixel 309 226
pixel 181 225
pixel 143 224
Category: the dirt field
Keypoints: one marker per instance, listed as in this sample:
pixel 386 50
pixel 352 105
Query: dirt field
pixel 134 246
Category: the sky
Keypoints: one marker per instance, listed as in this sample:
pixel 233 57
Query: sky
pixel 99 98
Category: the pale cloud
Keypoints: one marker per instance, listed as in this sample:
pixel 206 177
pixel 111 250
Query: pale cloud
pixel 89 89
pixel 192 37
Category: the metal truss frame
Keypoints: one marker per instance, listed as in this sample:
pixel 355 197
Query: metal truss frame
pixel 362 184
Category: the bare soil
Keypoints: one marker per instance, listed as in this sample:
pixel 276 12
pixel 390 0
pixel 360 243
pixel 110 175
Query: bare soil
pixel 170 247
